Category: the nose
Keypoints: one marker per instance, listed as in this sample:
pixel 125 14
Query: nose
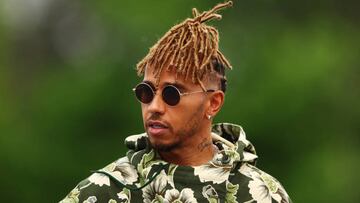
pixel 157 105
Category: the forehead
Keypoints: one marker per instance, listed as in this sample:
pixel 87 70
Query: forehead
pixel 167 77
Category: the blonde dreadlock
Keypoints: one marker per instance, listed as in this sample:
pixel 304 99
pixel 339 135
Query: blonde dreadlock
pixel 188 48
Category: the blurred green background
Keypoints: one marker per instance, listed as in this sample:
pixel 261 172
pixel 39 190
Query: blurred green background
pixel 67 69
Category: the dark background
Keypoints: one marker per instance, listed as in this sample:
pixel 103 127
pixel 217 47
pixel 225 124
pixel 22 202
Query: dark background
pixel 67 68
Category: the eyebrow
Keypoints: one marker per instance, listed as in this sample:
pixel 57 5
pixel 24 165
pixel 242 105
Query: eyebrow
pixel 149 83
pixel 176 84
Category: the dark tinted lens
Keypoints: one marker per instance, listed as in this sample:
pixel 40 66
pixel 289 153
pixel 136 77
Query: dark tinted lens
pixel 144 93
pixel 171 95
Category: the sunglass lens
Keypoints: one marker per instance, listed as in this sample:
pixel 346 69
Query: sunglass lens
pixel 144 93
pixel 171 95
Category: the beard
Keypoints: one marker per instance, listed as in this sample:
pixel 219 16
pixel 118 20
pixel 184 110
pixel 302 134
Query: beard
pixel 165 147
pixel 188 130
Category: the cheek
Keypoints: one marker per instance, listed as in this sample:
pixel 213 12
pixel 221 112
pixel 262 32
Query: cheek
pixel 143 112
pixel 186 113
pixel 192 105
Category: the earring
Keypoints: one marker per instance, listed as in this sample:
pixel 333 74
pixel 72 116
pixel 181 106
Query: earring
pixel 209 117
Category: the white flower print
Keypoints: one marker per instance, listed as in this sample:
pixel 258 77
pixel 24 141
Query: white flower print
pixel 124 195
pixel 91 199
pixel 99 179
pixel 156 188
pixel 230 176
pixel 122 170
pixel 263 187
pixel 210 194
pixel 134 138
pixel 248 157
pixel 72 197
pixel 218 169
pixel 211 172
pixel 185 196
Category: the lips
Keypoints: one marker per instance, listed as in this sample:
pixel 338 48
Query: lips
pixel 156 128
pixel 156 124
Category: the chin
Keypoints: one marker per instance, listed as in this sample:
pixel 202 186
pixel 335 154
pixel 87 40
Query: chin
pixel 164 147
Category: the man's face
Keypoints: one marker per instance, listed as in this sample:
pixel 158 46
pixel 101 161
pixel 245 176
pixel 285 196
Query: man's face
pixel 170 127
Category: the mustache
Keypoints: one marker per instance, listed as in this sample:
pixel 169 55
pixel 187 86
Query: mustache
pixel 157 117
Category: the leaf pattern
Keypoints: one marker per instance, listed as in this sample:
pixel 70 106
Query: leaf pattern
pixel 231 191
pixel 216 181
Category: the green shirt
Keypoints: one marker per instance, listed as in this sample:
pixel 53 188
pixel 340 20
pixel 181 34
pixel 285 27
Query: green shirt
pixel 141 176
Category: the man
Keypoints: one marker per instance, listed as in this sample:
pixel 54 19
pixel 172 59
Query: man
pixel 182 157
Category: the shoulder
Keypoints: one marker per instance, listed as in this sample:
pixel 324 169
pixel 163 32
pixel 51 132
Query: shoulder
pixel 106 184
pixel 258 185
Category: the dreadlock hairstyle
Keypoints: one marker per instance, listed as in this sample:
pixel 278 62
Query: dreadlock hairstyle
pixel 191 49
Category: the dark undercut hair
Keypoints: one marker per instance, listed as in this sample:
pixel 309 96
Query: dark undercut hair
pixel 219 68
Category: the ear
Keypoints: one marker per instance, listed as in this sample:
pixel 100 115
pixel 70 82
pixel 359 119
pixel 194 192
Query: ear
pixel 216 101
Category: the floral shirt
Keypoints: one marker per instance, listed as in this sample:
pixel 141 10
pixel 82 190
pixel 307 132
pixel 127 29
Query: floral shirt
pixel 141 176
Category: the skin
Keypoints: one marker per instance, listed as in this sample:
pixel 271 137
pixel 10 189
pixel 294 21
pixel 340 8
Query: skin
pixel 186 137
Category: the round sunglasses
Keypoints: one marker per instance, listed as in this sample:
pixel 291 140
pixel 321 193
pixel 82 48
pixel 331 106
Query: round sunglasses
pixel 171 95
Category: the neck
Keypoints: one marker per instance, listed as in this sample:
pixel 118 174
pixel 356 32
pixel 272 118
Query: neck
pixel 192 152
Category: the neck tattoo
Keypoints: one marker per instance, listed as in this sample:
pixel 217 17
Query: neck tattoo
pixel 204 144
